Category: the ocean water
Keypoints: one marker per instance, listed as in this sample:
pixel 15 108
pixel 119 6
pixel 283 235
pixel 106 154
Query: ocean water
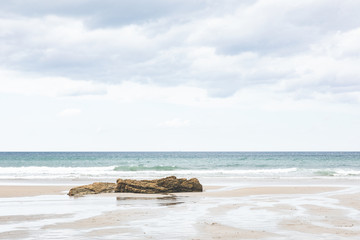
pixel 112 165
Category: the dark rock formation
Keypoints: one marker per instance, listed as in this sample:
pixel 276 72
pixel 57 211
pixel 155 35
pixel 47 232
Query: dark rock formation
pixel 163 185
pixel 95 188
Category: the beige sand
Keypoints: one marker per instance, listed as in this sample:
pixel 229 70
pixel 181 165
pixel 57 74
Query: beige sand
pixel 349 200
pixel 27 191
pixel 241 192
pixel 26 218
pixel 220 231
pixel 24 191
pixel 294 217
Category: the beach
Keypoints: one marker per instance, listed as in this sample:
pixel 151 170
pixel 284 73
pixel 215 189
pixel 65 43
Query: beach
pixel 227 209
pixel 179 120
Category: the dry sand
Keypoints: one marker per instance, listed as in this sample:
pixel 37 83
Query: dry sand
pixel 27 191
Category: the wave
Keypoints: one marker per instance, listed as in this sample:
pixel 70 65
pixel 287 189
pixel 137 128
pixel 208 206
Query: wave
pixel 129 172
pixel 145 168
pixel 39 172
pixel 347 172
pixel 328 173
pixel 336 172
pixel 113 172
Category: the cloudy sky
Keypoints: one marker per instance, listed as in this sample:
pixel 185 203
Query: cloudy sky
pixel 199 75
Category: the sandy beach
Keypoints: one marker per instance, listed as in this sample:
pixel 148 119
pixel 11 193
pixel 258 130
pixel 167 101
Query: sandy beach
pixel 7 191
pixel 323 209
pixel 248 110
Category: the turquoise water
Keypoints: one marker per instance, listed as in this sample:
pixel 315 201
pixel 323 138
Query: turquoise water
pixel 74 165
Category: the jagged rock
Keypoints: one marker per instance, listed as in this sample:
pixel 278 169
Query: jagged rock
pixel 95 188
pixel 163 185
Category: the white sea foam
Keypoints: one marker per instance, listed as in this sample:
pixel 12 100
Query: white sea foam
pixel 110 172
pixel 35 172
pixel 347 172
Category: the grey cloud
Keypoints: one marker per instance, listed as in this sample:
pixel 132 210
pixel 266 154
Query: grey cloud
pixel 161 42
pixel 280 27
pixel 325 16
pixel 106 13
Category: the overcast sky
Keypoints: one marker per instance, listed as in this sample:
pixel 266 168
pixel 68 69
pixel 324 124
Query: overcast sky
pixel 171 75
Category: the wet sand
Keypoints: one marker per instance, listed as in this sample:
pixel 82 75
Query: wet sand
pixel 326 211
pixel 27 191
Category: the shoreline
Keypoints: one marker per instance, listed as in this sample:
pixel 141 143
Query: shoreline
pixel 212 187
pixel 209 191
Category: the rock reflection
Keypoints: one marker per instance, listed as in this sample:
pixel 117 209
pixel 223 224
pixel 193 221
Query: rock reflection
pixel 166 200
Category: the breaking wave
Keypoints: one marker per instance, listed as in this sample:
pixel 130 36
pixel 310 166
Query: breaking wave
pixel 113 172
pixel 145 168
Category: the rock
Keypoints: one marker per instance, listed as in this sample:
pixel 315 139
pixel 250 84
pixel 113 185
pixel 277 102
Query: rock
pixel 95 188
pixel 163 185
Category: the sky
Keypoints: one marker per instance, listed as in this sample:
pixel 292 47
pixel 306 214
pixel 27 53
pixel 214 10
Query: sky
pixel 161 75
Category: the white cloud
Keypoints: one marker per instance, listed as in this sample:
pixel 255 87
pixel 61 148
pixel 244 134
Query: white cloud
pixel 221 47
pixel 33 84
pixel 69 112
pixel 175 123
pixel 228 64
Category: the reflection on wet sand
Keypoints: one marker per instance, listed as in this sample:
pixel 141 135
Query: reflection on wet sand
pixel 163 200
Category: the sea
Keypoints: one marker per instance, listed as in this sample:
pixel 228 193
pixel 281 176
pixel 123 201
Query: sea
pixel 140 165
